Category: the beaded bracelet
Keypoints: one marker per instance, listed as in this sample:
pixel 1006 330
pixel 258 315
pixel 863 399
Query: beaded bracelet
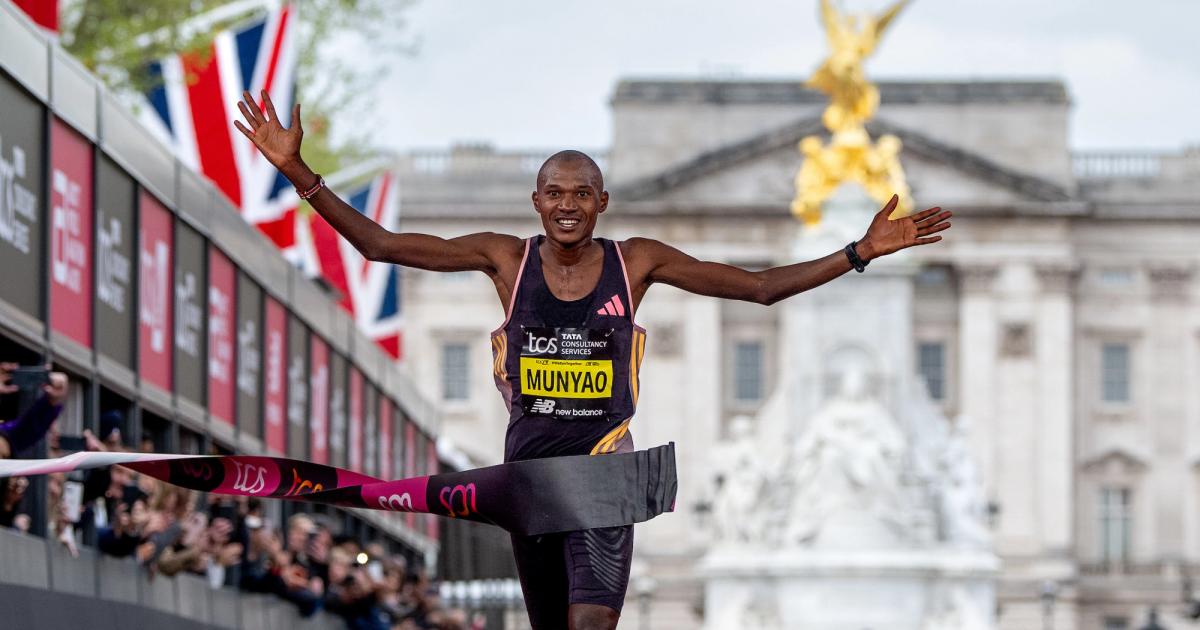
pixel 312 192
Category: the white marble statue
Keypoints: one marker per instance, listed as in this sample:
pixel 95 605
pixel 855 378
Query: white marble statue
pixel 963 505
pixel 847 463
pixel 737 516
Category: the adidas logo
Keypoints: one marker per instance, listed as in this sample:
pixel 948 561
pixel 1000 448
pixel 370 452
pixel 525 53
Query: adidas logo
pixel 613 307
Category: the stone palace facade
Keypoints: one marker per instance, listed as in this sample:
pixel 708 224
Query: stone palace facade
pixel 1059 318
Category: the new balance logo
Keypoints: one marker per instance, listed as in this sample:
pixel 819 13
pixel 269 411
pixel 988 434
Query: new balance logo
pixel 613 307
pixel 542 406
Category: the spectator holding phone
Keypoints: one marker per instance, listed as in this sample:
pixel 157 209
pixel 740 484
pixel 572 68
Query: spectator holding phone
pixel 18 435
pixel 12 491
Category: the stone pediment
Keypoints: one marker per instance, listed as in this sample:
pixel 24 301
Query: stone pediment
pixel 1114 460
pixel 761 168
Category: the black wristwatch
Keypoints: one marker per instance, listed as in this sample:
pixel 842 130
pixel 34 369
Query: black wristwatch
pixel 858 263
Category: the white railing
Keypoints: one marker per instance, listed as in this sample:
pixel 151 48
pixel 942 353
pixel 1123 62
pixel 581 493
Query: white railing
pixel 1118 164
pixel 478 159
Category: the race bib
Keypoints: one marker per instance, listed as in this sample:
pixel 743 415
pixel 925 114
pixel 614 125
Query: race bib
pixel 566 372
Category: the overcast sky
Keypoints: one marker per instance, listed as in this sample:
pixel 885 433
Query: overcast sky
pixel 539 73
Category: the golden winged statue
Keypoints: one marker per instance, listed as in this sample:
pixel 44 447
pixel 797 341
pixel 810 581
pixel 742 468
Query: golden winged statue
pixel 850 154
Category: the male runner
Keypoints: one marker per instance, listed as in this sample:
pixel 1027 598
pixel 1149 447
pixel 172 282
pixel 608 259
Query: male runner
pixel 568 352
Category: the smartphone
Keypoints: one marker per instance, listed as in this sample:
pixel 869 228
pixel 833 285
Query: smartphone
pixel 30 377
pixel 72 443
pixel 375 570
pixel 72 498
pixel 226 511
pixel 132 494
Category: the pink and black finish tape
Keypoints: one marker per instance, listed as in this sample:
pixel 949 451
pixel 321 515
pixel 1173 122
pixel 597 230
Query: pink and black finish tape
pixel 529 498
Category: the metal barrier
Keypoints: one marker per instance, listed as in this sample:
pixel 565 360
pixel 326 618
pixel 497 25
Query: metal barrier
pixel 115 592
pixel 499 601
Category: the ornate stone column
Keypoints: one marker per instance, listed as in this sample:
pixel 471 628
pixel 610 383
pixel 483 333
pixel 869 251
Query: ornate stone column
pixel 1054 352
pixel 1162 384
pixel 977 360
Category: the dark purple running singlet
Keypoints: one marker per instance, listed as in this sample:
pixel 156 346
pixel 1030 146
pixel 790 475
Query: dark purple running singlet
pixel 568 370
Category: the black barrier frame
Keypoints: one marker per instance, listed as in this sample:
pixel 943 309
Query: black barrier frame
pixel 62 89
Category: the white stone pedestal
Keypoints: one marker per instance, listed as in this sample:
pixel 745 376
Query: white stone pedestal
pixel 850 502
pixel 872 590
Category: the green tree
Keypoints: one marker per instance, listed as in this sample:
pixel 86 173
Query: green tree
pixel 117 38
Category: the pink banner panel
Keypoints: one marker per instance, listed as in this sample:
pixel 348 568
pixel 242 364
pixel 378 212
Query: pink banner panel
pixel 70 233
pixel 385 437
pixel 221 314
pixel 155 293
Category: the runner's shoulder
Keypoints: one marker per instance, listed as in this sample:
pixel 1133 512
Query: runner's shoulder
pixel 503 250
pixel 640 249
pixel 640 245
pixel 495 245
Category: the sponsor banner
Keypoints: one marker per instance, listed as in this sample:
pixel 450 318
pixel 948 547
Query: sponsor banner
pixel 528 498
pixel 386 451
pixel 70 233
pixel 116 195
pixel 297 388
pixel 337 409
pixel 21 203
pixel 371 430
pixel 156 294
pixel 566 372
pixel 410 462
pixel 318 435
pixel 355 461
pixel 190 292
pixel 249 356
pixel 275 377
pixel 222 324
pixel 431 468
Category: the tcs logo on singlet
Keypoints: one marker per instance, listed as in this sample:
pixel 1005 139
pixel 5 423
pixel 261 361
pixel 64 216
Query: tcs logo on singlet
pixel 566 372
pixel 540 345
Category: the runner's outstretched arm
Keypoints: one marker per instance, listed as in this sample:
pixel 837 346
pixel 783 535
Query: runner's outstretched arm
pixel 281 147
pixel 652 261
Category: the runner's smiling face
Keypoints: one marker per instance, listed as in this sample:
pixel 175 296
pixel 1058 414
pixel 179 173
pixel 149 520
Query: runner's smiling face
pixel 570 195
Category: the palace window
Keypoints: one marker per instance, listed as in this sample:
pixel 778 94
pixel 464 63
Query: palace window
pixel 931 363
pixel 1116 506
pixel 1116 623
pixel 455 360
pixel 748 386
pixel 1114 372
pixel 1116 277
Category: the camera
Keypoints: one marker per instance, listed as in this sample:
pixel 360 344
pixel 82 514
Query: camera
pixel 30 377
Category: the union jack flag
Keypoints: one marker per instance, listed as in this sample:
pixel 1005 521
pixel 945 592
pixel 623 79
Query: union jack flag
pixel 370 290
pixel 195 103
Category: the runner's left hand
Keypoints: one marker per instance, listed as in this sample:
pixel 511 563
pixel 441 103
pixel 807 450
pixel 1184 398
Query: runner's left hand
pixel 886 235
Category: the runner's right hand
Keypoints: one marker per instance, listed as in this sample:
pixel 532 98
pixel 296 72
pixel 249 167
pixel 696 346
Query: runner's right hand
pixel 280 146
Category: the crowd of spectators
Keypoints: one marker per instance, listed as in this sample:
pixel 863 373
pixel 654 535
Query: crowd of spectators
pixel 228 540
